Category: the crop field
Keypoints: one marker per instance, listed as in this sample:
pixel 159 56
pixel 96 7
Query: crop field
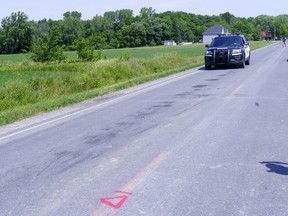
pixel 28 88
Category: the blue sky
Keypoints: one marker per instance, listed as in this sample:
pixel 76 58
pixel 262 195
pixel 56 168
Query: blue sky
pixel 54 9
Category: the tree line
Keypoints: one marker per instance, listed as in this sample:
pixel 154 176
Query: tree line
pixel 121 29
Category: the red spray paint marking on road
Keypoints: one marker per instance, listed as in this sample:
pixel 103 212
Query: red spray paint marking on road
pixel 120 199
pixel 117 201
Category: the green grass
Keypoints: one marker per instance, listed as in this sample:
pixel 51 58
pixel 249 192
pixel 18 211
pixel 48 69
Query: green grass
pixel 28 88
pixel 14 58
pixel 258 44
pixel 142 52
pixel 148 52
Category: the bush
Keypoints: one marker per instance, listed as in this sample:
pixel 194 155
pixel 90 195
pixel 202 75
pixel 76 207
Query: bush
pixel 85 51
pixel 99 55
pixel 47 51
pixel 124 57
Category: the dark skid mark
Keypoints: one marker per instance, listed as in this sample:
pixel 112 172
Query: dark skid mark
pixel 107 129
pixel 199 86
pixel 226 74
pixel 124 124
pixel 71 160
pixel 73 163
pixel 183 94
pixel 66 156
pixel 203 95
pixel 142 114
pixel 64 161
pixel 162 106
pixel 145 129
pixel 62 154
pixel 60 158
pixel 100 139
pixel 212 79
pixel 165 104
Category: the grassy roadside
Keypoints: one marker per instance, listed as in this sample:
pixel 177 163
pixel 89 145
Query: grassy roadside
pixel 28 88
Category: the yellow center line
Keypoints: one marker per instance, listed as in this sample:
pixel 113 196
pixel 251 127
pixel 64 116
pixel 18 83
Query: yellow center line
pixel 235 91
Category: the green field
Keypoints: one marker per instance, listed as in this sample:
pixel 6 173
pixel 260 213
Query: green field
pixel 28 88
pixel 142 52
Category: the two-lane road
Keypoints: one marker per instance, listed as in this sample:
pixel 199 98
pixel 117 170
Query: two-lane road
pixel 199 143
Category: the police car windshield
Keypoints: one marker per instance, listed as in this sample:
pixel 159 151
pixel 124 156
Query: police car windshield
pixel 226 41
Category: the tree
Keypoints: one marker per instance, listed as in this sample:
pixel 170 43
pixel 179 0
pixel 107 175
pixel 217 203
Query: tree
pixel 112 15
pixel 125 16
pixel 2 41
pixel 100 31
pixel 281 26
pixel 16 34
pixel 84 50
pixel 47 48
pixel 147 12
pixel 156 30
pixel 124 37
pixel 43 26
pixel 72 28
pixel 228 18
pixel 265 23
pixel 119 29
pixel 182 26
pixel 138 34
pixel 240 26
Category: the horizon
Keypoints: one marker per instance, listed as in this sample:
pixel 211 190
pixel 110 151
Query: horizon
pixel 134 15
pixel 36 10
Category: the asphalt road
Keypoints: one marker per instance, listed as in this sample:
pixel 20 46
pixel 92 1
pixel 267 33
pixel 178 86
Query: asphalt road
pixel 201 143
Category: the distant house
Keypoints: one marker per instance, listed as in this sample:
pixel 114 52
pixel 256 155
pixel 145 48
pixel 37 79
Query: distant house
pixel 169 43
pixel 213 32
pixel 266 35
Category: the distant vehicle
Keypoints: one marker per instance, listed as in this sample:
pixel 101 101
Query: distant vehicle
pixel 228 50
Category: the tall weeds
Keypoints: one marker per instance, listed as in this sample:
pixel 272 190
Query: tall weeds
pixel 30 85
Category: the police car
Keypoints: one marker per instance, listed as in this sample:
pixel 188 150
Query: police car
pixel 228 50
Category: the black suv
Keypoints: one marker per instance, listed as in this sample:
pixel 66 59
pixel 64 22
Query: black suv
pixel 228 50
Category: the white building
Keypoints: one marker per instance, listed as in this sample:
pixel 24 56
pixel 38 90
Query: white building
pixel 213 32
pixel 169 43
